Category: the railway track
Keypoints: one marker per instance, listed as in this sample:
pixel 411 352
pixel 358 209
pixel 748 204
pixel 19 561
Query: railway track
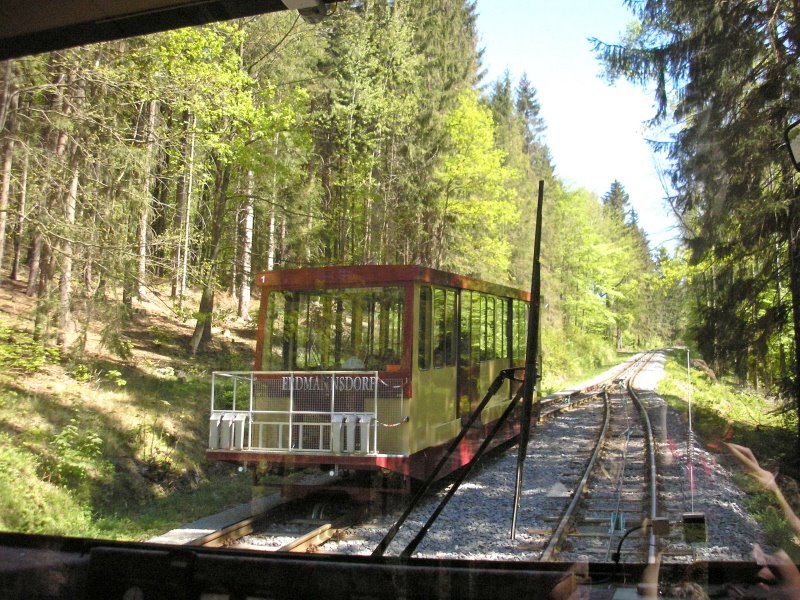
pixel 475 525
pixel 616 491
pixel 284 528
pixel 470 509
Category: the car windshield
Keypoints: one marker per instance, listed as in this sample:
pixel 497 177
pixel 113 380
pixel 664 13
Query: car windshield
pixel 570 228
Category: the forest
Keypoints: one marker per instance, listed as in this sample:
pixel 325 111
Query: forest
pixel 725 83
pixel 192 159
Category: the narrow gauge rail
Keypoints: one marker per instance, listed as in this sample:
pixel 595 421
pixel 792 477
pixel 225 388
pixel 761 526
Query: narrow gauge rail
pixel 363 539
pixel 618 488
pixel 285 522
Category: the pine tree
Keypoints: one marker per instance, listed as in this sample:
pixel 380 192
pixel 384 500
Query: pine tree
pixel 617 201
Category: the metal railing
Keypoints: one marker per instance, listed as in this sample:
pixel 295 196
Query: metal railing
pixel 335 412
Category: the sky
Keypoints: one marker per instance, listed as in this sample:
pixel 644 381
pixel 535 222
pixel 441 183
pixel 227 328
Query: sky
pixel 595 130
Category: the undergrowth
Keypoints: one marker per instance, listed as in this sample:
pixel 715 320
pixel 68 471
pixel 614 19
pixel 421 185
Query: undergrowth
pixel 92 446
pixel 20 354
pixel 724 411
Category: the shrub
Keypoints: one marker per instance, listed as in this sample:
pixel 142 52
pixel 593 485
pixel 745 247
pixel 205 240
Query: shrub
pixel 157 448
pixel 76 457
pixel 81 373
pixel 19 352
pixel 114 377
pixel 30 505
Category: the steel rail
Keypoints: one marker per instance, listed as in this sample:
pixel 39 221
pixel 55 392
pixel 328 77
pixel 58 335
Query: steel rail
pixel 224 536
pixel 651 553
pixel 558 534
pixel 310 540
pixel 561 530
pixel 574 397
pixel 382 546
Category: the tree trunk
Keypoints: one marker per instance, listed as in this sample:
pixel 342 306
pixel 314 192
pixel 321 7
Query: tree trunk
pixel 202 330
pixel 6 91
pixel 41 271
pixel 783 366
pixel 158 223
pixel 144 214
pixel 42 290
pixel 35 264
pixel 187 217
pixel 180 204
pixel 5 185
pixel 271 242
pixel 236 261
pixel 794 287
pixel 65 280
pixel 20 225
pixel 246 250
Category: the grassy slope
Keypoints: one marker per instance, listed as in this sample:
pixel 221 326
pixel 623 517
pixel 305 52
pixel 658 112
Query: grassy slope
pixel 723 411
pixel 95 446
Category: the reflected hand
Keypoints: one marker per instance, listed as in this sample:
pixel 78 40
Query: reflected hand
pixel 745 456
pixel 780 572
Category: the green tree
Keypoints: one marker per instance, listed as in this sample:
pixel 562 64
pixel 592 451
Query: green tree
pixel 475 201
pixel 726 75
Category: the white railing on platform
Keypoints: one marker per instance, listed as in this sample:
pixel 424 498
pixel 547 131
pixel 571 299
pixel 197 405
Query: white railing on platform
pixel 337 412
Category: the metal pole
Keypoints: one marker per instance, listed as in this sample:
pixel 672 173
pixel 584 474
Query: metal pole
pixel 330 418
pixel 291 407
pixel 531 357
pixel 690 449
pixel 375 420
pixel 250 416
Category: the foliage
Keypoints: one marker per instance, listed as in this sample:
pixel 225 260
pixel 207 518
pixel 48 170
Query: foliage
pixel 31 505
pixel 74 456
pixel 81 372
pixel 725 412
pixel 362 140
pixel 158 447
pixel 114 377
pixel 21 353
pixel 112 336
pixel 763 505
pixel 717 405
pixel 74 464
pixel 476 197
